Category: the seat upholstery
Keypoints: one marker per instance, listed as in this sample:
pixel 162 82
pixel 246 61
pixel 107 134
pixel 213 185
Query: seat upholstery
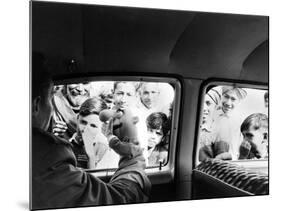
pixel 236 176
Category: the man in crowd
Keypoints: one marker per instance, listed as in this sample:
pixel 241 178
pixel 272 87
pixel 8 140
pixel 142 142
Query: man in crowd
pixel 67 102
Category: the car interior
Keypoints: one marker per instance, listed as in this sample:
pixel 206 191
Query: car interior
pixel 187 52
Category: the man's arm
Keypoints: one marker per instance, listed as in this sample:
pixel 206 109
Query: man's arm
pixel 63 185
pixel 125 149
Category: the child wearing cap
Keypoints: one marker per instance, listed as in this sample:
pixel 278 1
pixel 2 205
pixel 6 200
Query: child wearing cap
pixel 209 147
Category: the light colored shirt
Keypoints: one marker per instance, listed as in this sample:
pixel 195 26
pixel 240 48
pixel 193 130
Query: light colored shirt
pixel 227 128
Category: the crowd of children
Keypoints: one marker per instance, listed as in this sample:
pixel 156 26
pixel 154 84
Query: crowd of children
pixel 76 118
pixel 222 135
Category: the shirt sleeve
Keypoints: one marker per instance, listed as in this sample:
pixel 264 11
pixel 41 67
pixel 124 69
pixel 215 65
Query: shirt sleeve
pixel 63 185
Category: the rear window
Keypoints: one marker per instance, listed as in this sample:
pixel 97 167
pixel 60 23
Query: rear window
pixel 145 111
pixel 234 123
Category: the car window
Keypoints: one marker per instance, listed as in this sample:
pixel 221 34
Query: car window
pixel 142 113
pixel 234 123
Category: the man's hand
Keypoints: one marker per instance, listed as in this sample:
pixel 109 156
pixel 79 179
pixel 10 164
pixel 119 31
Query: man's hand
pixel 59 128
pixel 95 146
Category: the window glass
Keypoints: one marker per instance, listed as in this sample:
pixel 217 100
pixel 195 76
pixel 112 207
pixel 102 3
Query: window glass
pixel 141 112
pixel 234 123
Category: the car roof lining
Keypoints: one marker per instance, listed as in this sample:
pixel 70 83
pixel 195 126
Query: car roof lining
pixel 117 39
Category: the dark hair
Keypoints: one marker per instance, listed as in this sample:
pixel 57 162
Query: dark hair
pixel 65 87
pixel 158 120
pixel 257 120
pixel 41 78
pixel 92 106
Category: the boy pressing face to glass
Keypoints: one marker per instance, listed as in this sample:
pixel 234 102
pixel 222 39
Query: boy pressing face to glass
pixel 76 94
pixel 89 144
pixel 255 137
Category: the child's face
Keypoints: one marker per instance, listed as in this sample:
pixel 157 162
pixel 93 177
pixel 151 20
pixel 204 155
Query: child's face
pixel 154 137
pixel 124 95
pixel 257 138
pixel 89 123
pixel 149 94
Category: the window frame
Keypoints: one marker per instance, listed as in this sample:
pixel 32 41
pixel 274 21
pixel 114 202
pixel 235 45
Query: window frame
pixel 251 164
pixel 176 82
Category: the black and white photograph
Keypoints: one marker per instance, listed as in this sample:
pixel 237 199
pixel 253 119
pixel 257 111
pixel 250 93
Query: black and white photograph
pixel 122 105
pixel 135 105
